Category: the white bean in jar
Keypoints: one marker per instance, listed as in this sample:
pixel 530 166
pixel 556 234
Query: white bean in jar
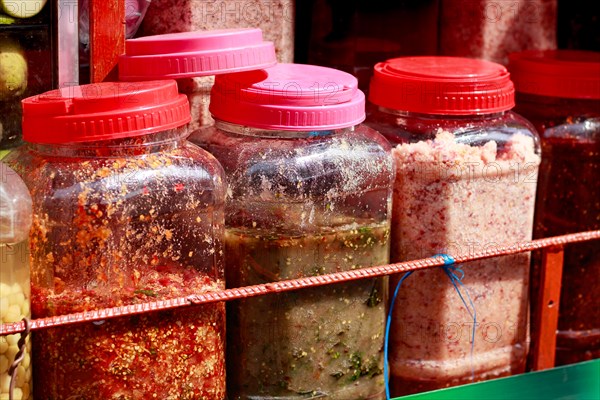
pixel 14 306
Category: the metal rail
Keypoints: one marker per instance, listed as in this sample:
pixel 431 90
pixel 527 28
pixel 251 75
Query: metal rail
pixel 294 284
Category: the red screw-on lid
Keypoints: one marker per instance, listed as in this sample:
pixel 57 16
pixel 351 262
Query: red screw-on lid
pixel 192 54
pixel 291 97
pixel 557 73
pixel 103 111
pixel 442 85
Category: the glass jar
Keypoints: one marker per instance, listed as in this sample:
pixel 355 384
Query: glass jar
pixel 559 92
pixel 466 169
pixel 15 222
pixel 309 194
pixel 125 211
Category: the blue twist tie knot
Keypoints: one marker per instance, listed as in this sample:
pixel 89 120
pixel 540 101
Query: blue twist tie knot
pixel 456 275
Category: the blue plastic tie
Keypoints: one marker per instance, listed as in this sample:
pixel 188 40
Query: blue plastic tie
pixel 387 336
pixel 456 276
pixel 451 272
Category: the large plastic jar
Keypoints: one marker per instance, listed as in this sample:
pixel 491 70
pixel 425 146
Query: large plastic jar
pixel 466 169
pixel 559 92
pixel 125 211
pixel 309 194
pixel 15 222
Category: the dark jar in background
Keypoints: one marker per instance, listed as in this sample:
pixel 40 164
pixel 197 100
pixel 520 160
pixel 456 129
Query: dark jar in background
pixel 125 211
pixel 559 92
pixel 466 170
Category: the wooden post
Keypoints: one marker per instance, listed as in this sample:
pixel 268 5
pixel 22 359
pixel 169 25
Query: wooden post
pixel 544 340
pixel 107 38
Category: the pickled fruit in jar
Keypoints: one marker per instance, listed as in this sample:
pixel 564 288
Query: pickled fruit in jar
pixel 322 337
pixel 124 215
pixel 15 221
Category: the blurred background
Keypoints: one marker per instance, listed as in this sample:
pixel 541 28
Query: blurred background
pixel 46 44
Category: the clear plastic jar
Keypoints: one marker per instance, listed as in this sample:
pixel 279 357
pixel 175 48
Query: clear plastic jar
pixel 466 170
pixel 15 222
pixel 125 211
pixel 559 92
pixel 309 194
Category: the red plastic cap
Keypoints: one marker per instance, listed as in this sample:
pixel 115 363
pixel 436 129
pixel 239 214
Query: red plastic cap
pixel 442 85
pixel 557 73
pixel 192 54
pixel 103 111
pixel 291 97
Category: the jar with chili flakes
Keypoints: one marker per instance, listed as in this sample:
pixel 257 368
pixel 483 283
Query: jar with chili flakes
pixel 125 211
pixel 309 194
pixel 559 91
pixel 466 169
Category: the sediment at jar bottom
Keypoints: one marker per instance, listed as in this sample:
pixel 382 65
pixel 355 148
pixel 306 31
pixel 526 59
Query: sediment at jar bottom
pixel 402 386
pixel 324 342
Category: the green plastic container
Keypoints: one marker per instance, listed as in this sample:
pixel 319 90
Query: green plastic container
pixel 574 382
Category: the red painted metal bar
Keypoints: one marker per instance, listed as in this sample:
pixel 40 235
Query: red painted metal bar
pixel 284 286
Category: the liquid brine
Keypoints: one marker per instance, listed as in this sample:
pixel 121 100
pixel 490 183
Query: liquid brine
pixel 323 342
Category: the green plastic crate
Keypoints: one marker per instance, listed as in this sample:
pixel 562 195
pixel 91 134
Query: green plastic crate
pixel 572 382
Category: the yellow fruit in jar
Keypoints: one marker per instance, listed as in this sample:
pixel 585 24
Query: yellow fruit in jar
pixel 13 314
pixel 4 306
pixel 4 383
pixel 12 340
pixel 22 8
pixel 6 20
pixel 20 376
pixel 26 391
pixel 3 364
pixel 11 352
pixel 5 289
pixel 13 70
pixel 26 362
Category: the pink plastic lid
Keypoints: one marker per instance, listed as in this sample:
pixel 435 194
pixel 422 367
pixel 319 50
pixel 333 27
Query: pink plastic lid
pixel 103 111
pixel 191 54
pixel 289 97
